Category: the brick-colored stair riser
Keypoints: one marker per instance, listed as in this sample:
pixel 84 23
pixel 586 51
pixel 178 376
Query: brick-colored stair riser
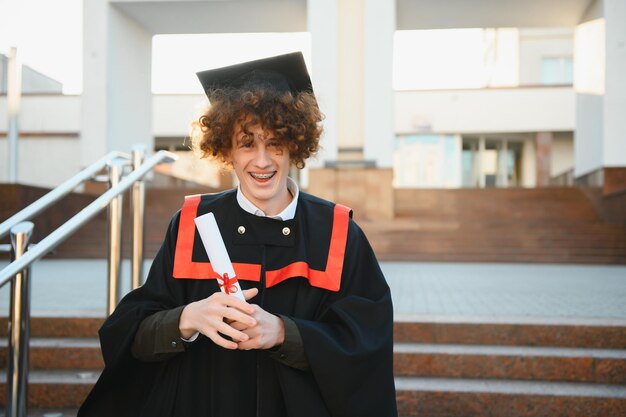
pixel 479 404
pixel 539 204
pixel 544 225
pixel 578 336
pixel 61 357
pixel 586 369
pixel 47 395
pixel 59 326
pixel 601 337
pixel 543 258
pixel 568 369
pixel 410 403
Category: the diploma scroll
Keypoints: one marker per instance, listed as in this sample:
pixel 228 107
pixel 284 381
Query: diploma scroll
pixel 218 255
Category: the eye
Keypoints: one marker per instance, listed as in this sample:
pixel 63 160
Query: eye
pixel 245 141
pixel 274 144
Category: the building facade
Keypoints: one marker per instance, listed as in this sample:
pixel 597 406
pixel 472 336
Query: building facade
pixel 556 116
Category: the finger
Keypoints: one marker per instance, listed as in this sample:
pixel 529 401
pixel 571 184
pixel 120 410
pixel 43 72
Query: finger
pixel 220 298
pixel 232 301
pixel 220 341
pixel 238 325
pixel 247 345
pixel 250 293
pixel 236 335
pixel 232 314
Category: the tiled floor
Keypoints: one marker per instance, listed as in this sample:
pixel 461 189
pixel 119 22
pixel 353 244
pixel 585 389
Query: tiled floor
pixel 496 291
pixel 508 290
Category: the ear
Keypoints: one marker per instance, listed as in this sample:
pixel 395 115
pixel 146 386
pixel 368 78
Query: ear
pixel 228 160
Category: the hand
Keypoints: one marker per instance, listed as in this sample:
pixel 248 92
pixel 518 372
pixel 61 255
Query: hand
pixel 268 332
pixel 209 316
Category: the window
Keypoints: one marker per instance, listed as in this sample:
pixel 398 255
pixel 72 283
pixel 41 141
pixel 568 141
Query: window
pixel 557 70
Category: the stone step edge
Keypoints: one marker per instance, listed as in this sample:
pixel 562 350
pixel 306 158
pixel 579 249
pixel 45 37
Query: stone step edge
pixel 399 348
pixel 399 318
pixel 500 350
pixel 58 342
pixel 47 412
pixel 56 377
pixel 510 387
pixel 403 384
pixel 416 318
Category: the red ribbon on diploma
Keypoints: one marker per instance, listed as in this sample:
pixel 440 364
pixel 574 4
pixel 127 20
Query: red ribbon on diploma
pixel 228 284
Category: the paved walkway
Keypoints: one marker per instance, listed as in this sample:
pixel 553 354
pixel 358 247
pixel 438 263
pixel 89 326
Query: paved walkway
pixel 528 292
pixel 442 291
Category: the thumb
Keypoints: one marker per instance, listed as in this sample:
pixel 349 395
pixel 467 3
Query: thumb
pixel 250 293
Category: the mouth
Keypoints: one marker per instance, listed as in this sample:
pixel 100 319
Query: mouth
pixel 262 177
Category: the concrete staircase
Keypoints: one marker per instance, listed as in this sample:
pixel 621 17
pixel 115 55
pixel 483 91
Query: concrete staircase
pixel 541 225
pixel 65 362
pixel 497 369
pixel 451 369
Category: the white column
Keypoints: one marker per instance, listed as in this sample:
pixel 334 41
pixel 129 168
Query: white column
pixel 14 98
pixel 615 91
pixel 529 164
pixel 601 89
pixel 379 135
pixel 481 162
pixel 503 177
pixel 117 97
pixel 475 167
pixel 350 41
pixel 323 25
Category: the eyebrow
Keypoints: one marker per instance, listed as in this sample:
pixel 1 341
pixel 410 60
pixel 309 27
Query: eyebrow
pixel 264 137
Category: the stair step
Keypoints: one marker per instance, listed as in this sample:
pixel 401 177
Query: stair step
pixel 445 397
pixel 416 396
pixel 50 412
pixel 73 327
pixel 414 359
pixel 60 353
pixel 55 389
pixel 603 366
pixel 599 334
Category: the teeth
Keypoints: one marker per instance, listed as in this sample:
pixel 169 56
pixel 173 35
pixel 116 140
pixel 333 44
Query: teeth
pixel 262 176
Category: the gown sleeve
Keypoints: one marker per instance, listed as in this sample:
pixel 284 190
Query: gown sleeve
pixel 124 378
pixel 349 346
pixel 158 337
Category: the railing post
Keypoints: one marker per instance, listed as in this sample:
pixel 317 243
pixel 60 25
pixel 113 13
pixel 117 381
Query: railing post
pixel 138 196
pixel 116 167
pixel 19 327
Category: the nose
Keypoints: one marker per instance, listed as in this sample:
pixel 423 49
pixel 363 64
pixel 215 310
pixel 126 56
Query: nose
pixel 262 157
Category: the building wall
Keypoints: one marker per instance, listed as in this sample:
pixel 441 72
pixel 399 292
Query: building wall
pixel 485 111
pixel 49 144
pixel 32 81
pixel 44 161
pixel 562 154
pixel 538 43
pixel 53 122
pixel 589 133
pixel 172 114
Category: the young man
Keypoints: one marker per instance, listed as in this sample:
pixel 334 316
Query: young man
pixel 315 336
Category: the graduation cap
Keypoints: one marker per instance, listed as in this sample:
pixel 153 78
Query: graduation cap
pixel 281 73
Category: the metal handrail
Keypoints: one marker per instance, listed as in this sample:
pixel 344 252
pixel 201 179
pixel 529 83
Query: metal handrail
pixel 59 192
pixel 19 327
pixel 66 229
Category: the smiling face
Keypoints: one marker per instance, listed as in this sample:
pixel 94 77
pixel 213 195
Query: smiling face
pixel 261 164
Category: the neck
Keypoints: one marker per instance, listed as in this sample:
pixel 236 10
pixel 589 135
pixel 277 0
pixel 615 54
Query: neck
pixel 280 205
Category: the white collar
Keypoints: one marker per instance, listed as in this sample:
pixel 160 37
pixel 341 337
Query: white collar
pixel 287 214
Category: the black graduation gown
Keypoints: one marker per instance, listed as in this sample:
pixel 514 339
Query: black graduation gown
pixel 347 331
